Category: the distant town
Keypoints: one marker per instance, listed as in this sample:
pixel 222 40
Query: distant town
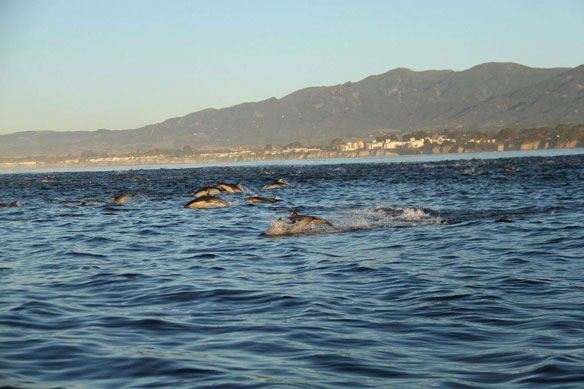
pixel 377 143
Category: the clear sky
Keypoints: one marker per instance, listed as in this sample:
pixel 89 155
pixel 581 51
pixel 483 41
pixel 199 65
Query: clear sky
pixel 119 64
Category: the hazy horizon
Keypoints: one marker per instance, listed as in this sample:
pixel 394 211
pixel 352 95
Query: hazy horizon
pixel 86 66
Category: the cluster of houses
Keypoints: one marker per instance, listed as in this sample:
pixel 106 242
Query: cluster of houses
pixel 411 143
pixel 272 152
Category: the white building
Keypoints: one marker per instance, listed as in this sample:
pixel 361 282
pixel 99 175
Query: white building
pixel 351 146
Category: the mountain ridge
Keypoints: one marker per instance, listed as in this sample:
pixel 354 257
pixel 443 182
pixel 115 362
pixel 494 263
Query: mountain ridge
pixel 488 95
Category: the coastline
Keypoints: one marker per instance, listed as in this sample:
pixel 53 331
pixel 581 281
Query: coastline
pixel 373 146
pixel 322 156
pixel 192 160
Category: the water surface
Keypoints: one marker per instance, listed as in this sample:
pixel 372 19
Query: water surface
pixel 444 273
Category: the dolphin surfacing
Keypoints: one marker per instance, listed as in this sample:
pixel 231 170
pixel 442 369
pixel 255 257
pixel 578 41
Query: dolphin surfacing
pixel 278 184
pixel 12 204
pixel 260 199
pixel 297 224
pixel 230 188
pixel 207 191
pixel 121 199
pixel 305 219
pixel 207 202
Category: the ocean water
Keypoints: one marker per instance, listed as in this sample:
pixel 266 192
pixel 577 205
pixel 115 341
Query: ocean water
pixel 437 272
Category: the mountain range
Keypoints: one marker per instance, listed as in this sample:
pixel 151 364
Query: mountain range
pixel 490 95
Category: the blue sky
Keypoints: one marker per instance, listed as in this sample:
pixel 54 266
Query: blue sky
pixel 85 65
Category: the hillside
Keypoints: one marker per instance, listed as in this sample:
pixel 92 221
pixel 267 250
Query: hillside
pixel 488 95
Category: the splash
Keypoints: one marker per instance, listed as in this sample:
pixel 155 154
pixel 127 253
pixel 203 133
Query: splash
pixel 392 217
pixel 284 227
pixel 246 190
pixel 357 219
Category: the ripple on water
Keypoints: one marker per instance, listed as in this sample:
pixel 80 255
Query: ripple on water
pixel 430 275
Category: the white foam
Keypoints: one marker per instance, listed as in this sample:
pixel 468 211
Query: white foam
pixel 246 190
pixel 357 219
pixel 414 214
pixel 284 226
pixel 386 214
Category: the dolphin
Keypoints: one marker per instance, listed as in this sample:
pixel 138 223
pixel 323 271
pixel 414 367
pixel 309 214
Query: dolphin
pixel 207 202
pixel 230 188
pixel 278 184
pixel 297 224
pixel 12 204
pixel 259 199
pixel 206 191
pixel 121 199
pixel 305 219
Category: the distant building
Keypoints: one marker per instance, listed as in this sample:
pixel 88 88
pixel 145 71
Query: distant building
pixel 351 146
pixel 415 144
pixel 373 145
pixel 393 144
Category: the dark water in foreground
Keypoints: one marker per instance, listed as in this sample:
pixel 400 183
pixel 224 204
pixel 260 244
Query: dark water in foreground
pixel 441 274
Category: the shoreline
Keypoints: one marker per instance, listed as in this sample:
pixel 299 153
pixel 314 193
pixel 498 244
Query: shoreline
pixel 426 143
pixel 362 155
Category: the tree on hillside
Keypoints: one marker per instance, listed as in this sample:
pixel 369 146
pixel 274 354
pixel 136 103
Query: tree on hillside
pixel 422 134
pixel 89 154
pixel 506 135
pixel 293 145
pixel 336 142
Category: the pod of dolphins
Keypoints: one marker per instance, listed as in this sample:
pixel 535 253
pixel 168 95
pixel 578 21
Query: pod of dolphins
pixel 205 198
